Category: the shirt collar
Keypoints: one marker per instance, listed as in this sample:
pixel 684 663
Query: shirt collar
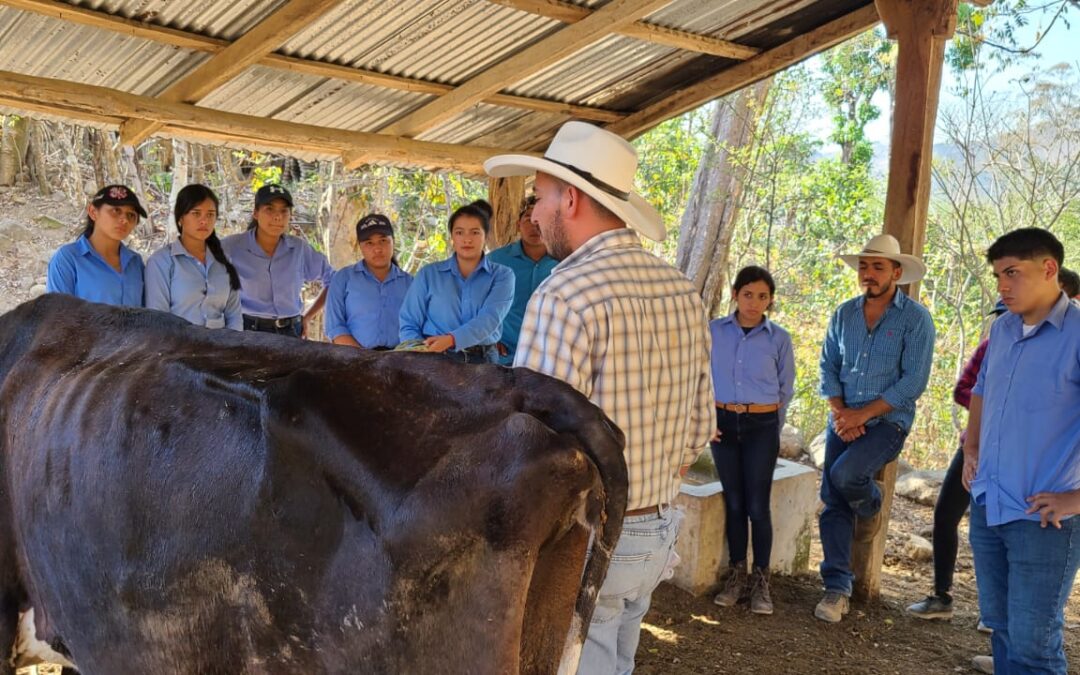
pixel 394 273
pixel 622 237
pixel 1055 318
pixel 730 318
pixel 85 248
pixel 254 247
pixel 450 265
pixel 900 299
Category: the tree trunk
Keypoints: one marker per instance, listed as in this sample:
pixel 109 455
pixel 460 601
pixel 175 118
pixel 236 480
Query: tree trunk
pixel 37 151
pixel 197 160
pixel 73 178
pixel 12 148
pixel 134 180
pixel 506 195
pixel 180 156
pixel 709 220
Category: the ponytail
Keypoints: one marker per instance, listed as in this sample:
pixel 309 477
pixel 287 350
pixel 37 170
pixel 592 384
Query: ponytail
pixel 214 244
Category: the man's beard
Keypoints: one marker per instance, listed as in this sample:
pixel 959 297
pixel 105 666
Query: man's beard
pixel 554 236
pixel 883 292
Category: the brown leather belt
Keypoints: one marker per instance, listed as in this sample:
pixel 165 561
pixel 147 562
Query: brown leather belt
pixel 748 407
pixel 646 511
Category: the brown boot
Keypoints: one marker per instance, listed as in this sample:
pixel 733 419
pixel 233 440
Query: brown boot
pixel 734 588
pixel 760 599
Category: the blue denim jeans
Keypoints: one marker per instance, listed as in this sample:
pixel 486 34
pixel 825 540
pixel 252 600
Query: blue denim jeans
pixel 645 547
pixel 745 459
pixel 848 490
pixel 1024 573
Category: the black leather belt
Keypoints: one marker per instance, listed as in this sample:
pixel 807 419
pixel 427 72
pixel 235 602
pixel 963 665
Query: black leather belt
pixel 263 323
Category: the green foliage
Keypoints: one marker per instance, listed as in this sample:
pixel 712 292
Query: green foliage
pixel 265 175
pixel 853 72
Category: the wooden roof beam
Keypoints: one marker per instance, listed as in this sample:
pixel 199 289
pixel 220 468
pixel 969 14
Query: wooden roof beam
pixel 265 37
pixel 640 30
pixel 203 43
pixel 100 104
pixel 524 63
pixel 742 74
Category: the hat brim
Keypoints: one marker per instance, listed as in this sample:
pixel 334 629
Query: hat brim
pixel 913 268
pixel 635 212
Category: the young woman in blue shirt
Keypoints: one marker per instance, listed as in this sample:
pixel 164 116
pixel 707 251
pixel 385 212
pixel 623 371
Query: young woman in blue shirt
pixel 274 266
pixel 753 377
pixel 457 306
pixel 365 299
pixel 191 277
pixel 97 266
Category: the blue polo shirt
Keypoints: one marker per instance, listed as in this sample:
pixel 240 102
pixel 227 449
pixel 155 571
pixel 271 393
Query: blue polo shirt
pixel 360 305
pixel 77 269
pixel 891 362
pixel 528 274
pixel 754 367
pixel 177 282
pixel 270 286
pixel 1029 441
pixel 442 302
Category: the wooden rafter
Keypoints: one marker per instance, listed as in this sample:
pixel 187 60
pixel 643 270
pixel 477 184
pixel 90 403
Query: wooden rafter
pixel 640 30
pixel 742 74
pixel 530 60
pixel 102 105
pixel 267 35
pixel 203 43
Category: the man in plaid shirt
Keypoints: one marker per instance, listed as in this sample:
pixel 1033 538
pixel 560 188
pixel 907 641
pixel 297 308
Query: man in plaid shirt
pixel 631 333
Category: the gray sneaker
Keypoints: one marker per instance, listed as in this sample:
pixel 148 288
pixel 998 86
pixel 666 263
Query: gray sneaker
pixel 734 588
pixel 760 599
pixel 983 664
pixel 832 607
pixel 983 628
pixel 932 607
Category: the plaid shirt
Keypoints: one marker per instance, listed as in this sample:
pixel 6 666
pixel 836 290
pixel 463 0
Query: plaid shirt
pixel 630 332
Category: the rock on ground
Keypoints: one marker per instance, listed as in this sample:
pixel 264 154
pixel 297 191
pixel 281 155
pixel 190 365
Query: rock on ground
pixel 918 549
pixel 920 486
pixel 792 442
pixel 817 450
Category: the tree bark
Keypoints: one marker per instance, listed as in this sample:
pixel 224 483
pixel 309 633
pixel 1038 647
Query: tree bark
pixel 37 150
pixel 73 181
pixel 709 220
pixel 134 180
pixel 181 158
pixel 12 148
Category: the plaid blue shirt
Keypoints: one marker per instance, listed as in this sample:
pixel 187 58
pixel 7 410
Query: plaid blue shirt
pixel 891 362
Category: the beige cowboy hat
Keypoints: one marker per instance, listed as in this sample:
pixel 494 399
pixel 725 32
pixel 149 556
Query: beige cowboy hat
pixel 886 246
pixel 597 162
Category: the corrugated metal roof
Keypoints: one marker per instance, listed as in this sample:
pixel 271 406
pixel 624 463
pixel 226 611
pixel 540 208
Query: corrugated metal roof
pixel 439 41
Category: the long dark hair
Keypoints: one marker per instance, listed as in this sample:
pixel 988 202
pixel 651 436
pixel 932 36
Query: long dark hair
pixel 749 275
pixel 473 210
pixel 188 198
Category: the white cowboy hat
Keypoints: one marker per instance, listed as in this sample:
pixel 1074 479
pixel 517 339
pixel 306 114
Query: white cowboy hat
pixel 886 246
pixel 597 162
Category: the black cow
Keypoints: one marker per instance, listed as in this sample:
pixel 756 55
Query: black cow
pixel 180 500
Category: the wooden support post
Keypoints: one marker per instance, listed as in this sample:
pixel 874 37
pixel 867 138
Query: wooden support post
pixel 506 196
pixel 921 28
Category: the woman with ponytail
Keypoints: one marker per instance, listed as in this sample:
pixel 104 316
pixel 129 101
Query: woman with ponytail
pixel 191 277
pixel 97 266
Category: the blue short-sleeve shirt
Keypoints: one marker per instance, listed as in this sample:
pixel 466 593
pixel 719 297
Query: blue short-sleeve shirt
pixel 360 305
pixel 177 282
pixel 77 269
pixel 528 274
pixel 270 285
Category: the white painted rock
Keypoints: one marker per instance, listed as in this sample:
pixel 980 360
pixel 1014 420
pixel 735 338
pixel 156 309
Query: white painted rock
pixel 920 486
pixel 817 450
pixel 792 442
pixel 36 290
pixel 918 549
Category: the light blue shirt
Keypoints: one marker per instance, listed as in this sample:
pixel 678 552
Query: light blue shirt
pixel 1029 440
pixel 360 305
pixel 528 274
pixel 77 269
pixel 270 287
pixel 754 367
pixel 442 302
pixel 891 362
pixel 177 282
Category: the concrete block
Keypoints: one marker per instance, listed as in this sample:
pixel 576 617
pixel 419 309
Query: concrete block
pixel 702 545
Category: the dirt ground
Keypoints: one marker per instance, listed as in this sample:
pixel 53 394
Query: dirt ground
pixel 683 634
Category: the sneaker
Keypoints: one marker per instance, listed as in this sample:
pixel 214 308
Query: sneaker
pixel 734 588
pixel 760 599
pixel 932 607
pixel 983 628
pixel 832 607
pixel 983 664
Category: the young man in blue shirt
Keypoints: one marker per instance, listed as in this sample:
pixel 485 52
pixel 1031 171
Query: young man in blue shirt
pixel 529 260
pixel 1022 457
pixel 875 364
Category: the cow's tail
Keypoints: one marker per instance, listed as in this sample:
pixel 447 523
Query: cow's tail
pixel 603 443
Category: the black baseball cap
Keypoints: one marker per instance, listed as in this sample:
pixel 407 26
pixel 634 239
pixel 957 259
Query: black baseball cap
pixel 269 193
pixel 372 224
pixel 118 195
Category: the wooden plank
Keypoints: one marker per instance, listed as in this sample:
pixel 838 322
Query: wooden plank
pixel 742 74
pixel 83 101
pixel 524 63
pixel 267 35
pixel 197 42
pixel 868 542
pixel 566 12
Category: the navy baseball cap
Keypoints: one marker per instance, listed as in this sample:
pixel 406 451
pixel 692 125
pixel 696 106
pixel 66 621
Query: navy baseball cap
pixel 269 193
pixel 999 308
pixel 118 195
pixel 372 224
